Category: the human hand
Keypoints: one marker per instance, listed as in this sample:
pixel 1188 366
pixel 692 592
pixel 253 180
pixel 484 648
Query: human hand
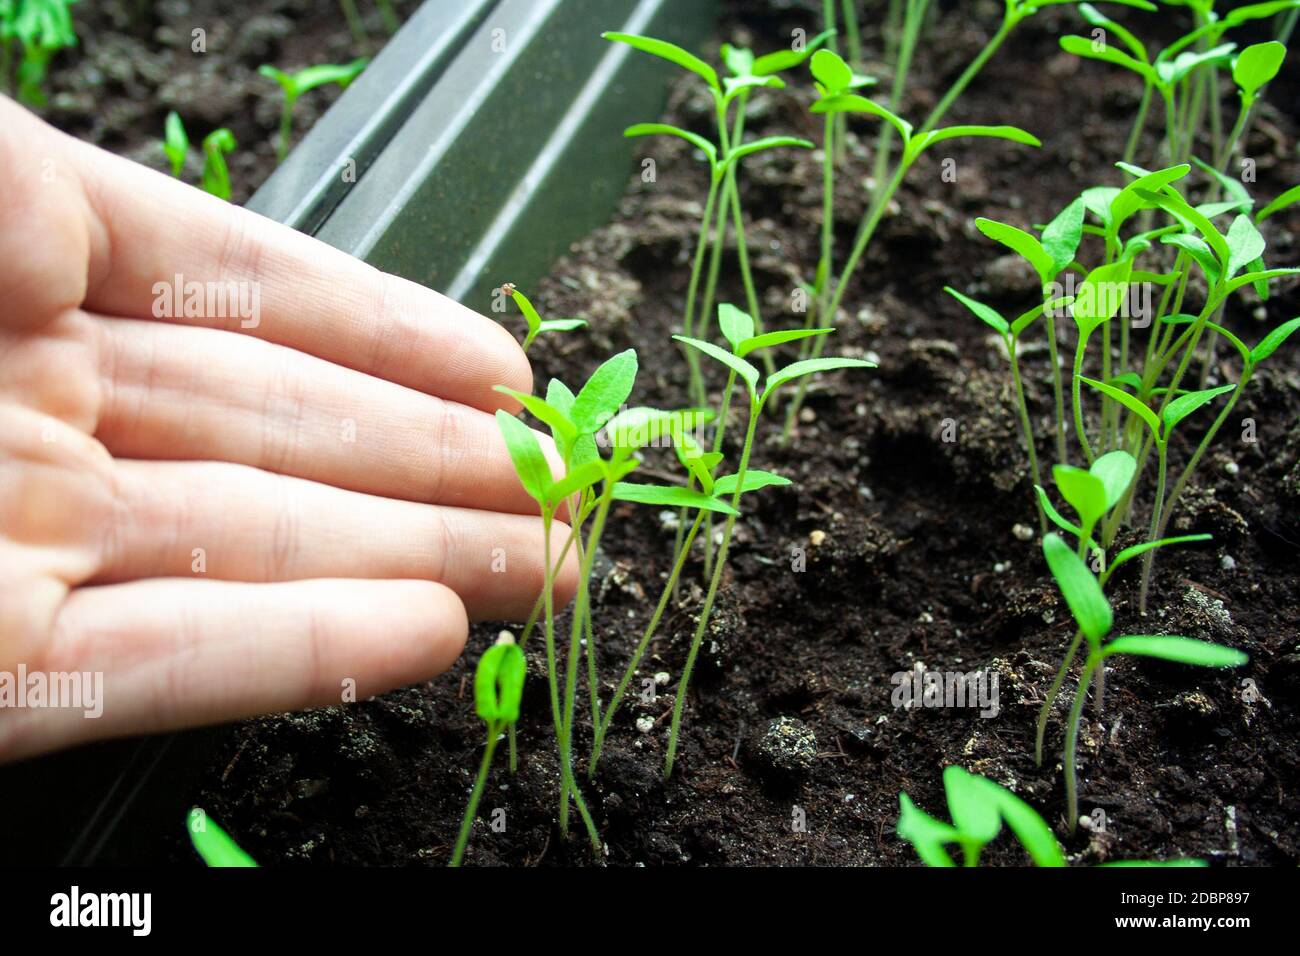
pixel 233 512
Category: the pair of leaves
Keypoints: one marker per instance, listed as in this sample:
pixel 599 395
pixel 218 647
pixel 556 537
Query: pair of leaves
pixel 1094 491
pixel 1010 331
pixel 176 142
pixel 536 324
pixel 1255 66
pixel 748 374
pixel 716 499
pixel 978 807
pixel 742 62
pixel 710 151
pixel 913 146
pixel 296 84
pixel 1269 344
pixel 833 75
pixel 499 683
pixel 738 329
pixel 1161 426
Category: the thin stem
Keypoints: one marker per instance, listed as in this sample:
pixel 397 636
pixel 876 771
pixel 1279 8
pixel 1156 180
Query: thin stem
pixel 286 127
pixel 1058 395
pixel 1139 123
pixel 641 647
pixel 1162 449
pixel 1072 740
pixel 688 320
pixel 1080 431
pixel 755 408
pixel 1009 22
pixel 1045 712
pixel 467 823
pixel 1023 410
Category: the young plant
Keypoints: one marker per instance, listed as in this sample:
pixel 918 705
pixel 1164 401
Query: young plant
pixel 738 367
pixel 176 143
pixel 295 85
pixel 978 808
pixel 498 688
pixel 1092 612
pixel 213 844
pixel 216 174
pixel 536 324
pixel 914 143
pixel 749 73
pixel 41 28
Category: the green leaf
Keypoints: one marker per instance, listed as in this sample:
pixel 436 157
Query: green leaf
pixel 1256 11
pixel 1030 829
pixel 1180 650
pixel 1253 278
pixel 561 428
pixel 561 397
pixel 738 60
pixel 1129 199
pixel 1079 588
pixel 640 427
pixel 213 844
pixel 663 129
pixel 754 480
pixel 926 834
pixel 526 453
pixel 604 393
pixel 972 807
pixel 1097 19
pixel 1056 518
pixel 1185 63
pixel 1083 490
pixel 499 683
pixel 852 103
pixel 1200 253
pixel 1100 295
pixel 561 325
pixel 767 142
pixel 1061 236
pixel 1097 201
pixel 1021 242
pixel 1131 402
pixel 1244 243
pixel 770 339
pixel 1128 554
pixel 578 479
pixel 1256 65
pixel 781 60
pixel 176 143
pixel 1177 206
pixel 1084 47
pixel 747 373
pixel 530 315
pixel 670 52
pixel 671 496
pixel 1013 133
pixel 1231 185
pixel 1288 198
pixel 735 85
pixel 1273 341
pixel 1115 470
pixel 986 314
pixel 808 367
pixel 1184 405
pixel 830 70
pixel 736 325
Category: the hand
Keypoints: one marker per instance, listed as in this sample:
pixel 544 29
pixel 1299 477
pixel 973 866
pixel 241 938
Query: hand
pixel 234 511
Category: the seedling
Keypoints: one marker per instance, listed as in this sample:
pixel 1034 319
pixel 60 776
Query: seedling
pixel 738 367
pixel 216 174
pixel 176 143
pixel 749 72
pixel 978 808
pixel 213 844
pixel 536 324
pixel 295 85
pixel 1092 612
pixel 41 28
pixel 498 688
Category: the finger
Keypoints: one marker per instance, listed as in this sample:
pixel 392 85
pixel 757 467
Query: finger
pixel 262 279
pixel 185 394
pixel 182 653
pixel 236 523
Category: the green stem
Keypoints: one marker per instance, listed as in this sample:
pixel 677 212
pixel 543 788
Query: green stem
pixel 1162 450
pixel 1023 410
pixel 755 408
pixel 484 766
pixel 286 127
pixel 1139 122
pixel 1072 740
pixel 1080 431
pixel 1045 712
pixel 688 320
pixel 641 648
pixel 1009 22
pixel 1058 394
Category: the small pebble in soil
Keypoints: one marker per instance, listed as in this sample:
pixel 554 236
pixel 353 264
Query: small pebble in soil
pixel 1228 563
pixel 1001 567
pixel 662 678
pixel 807 415
pixel 645 724
pixel 1231 468
pixel 787 747
pixel 668 520
pixel 817 538
pixel 1022 532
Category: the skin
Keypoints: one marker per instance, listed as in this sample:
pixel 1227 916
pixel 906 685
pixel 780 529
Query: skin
pixel 128 441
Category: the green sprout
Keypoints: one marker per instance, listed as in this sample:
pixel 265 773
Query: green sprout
pixel 295 85
pixel 978 808
pixel 1092 612
pixel 724 155
pixel 213 844
pixel 176 143
pixel 216 174
pixel 498 689
pixel 41 28
pixel 536 324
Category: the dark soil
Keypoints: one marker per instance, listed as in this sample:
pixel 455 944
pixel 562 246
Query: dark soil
pixel 136 61
pixel 919 560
